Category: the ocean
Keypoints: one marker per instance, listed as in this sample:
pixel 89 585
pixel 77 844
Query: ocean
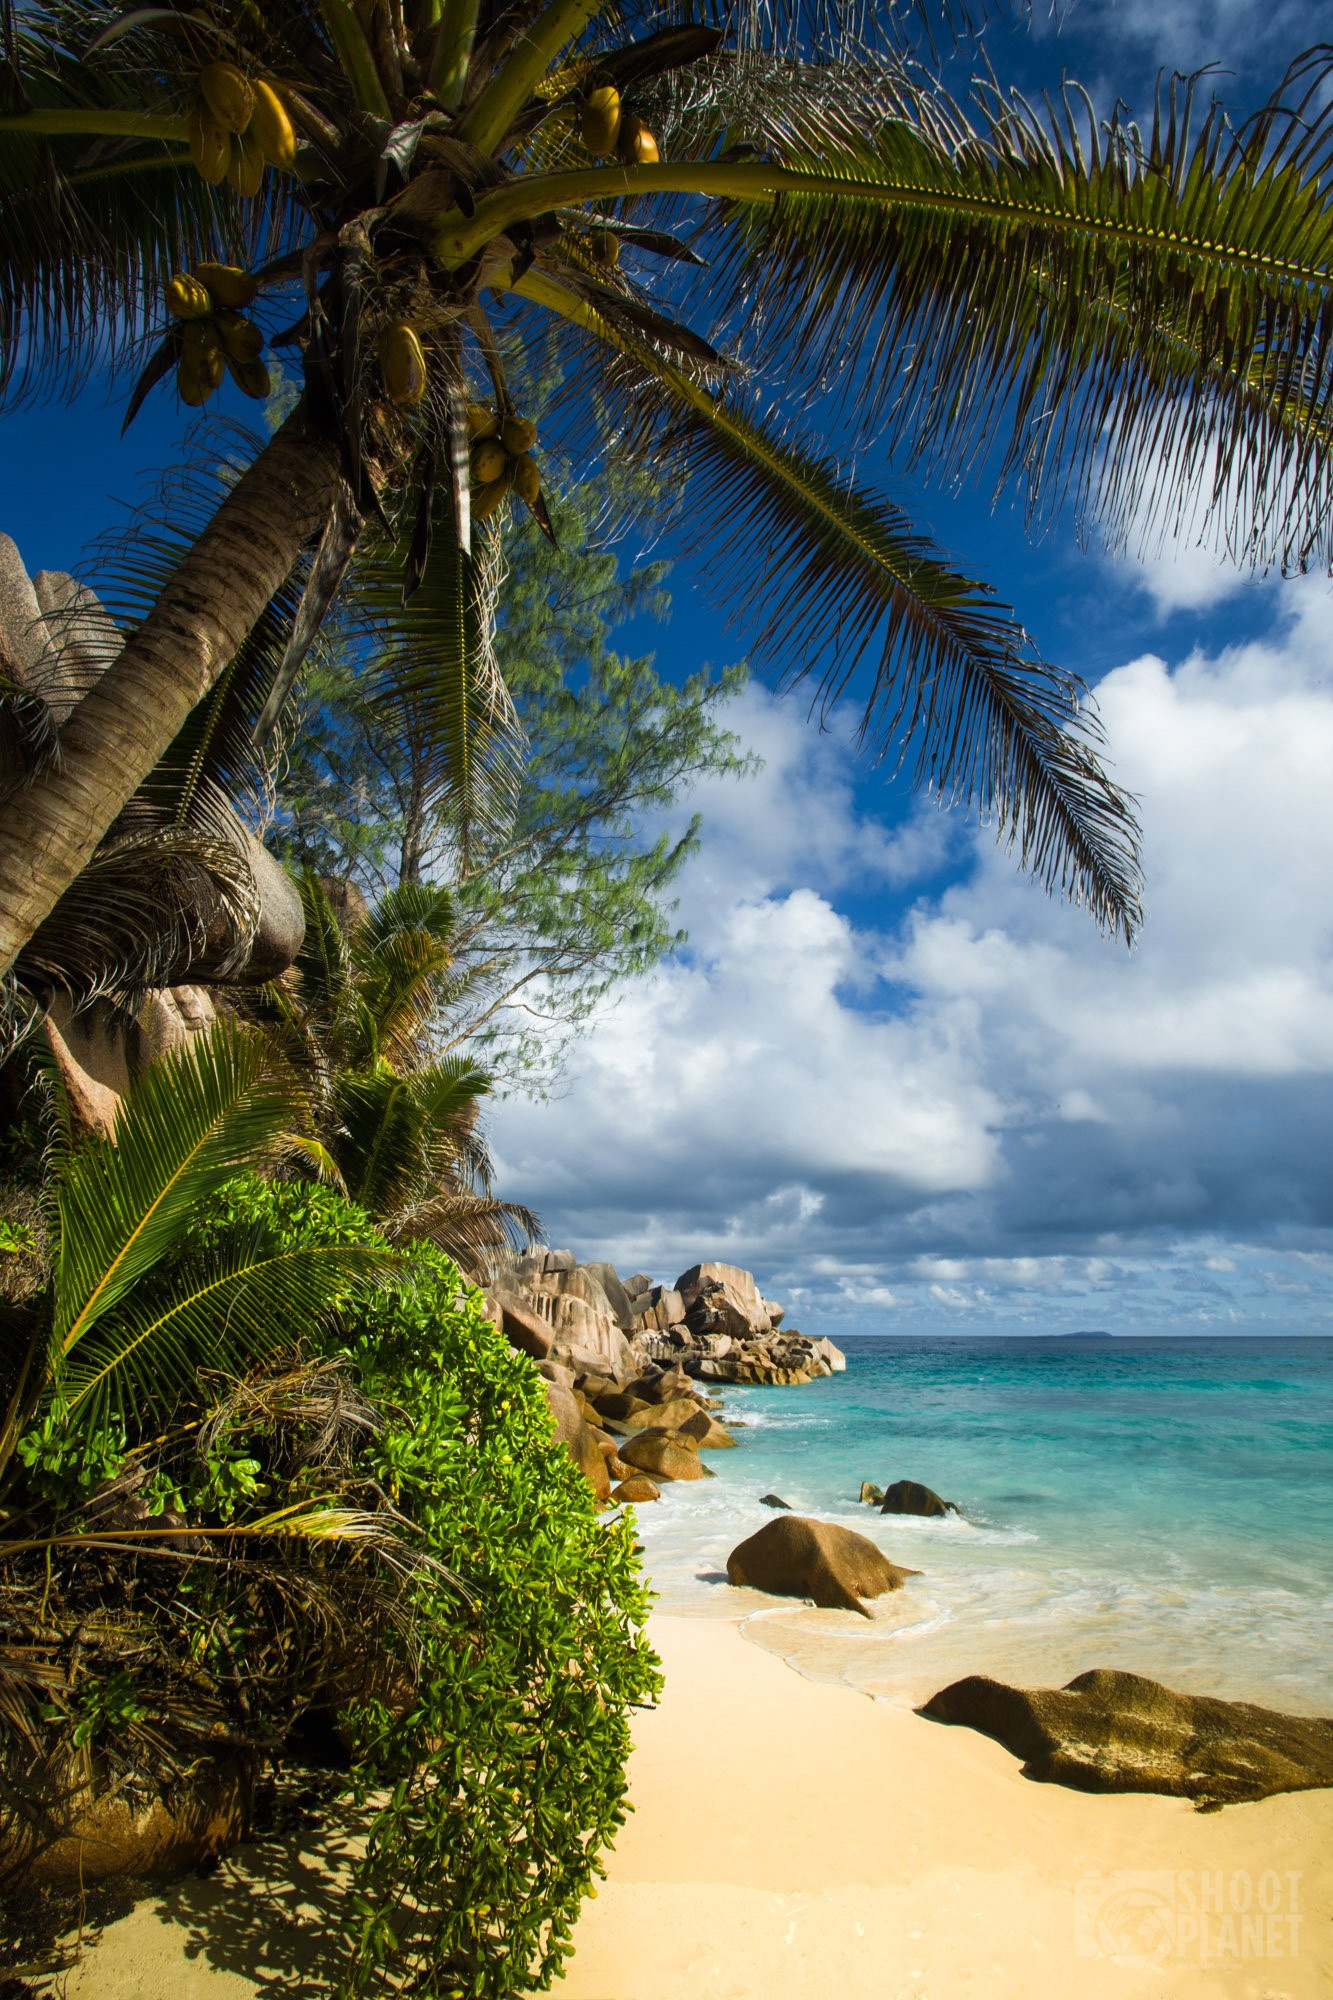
pixel 1160 1505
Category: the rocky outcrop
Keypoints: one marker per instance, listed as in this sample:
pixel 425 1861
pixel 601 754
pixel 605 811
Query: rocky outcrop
pixel 101 1049
pixel 712 1325
pixel 774 1500
pixel 573 1302
pixel 638 1490
pixel 905 1496
pixel 673 1423
pixel 666 1454
pixel 86 1831
pixel 576 1434
pixel 625 1368
pixel 721 1298
pixel 522 1328
pixel 1116 1732
pixel 662 1416
pixel 869 1496
pixel 797 1557
pixel 782 1359
pixel 707 1432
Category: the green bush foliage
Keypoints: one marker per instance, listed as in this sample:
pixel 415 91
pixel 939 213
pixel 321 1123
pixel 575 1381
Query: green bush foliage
pixel 496 1716
pixel 340 1500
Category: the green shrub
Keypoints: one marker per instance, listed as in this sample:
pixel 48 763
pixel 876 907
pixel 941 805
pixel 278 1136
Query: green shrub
pixel 504 1754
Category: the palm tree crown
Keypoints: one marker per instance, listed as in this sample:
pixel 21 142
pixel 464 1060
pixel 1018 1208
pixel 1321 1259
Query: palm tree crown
pixel 361 1019
pixel 686 202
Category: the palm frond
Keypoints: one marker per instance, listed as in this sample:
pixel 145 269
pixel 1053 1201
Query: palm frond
pixel 839 28
pixel 404 953
pixel 838 576
pixel 28 740
pixel 229 1312
pixel 958 272
pixel 379 1143
pixel 148 903
pixel 194 1120
pixel 478 1231
pixel 1255 483
pixel 305 1520
pixel 435 678
pixel 318 1156
pixel 401 1134
pixel 424 907
pixel 324 963
pixel 91 227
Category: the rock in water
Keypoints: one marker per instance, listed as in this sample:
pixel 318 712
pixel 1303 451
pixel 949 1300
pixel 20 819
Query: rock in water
pixel 869 1496
pixel 637 1490
pixel 798 1557
pixel 665 1455
pixel 772 1500
pixel 1115 1732
pixel 706 1432
pixel 905 1496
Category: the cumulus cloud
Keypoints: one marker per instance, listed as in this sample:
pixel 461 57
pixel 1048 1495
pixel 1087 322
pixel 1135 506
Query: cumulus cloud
pixel 1189 576
pixel 974 1110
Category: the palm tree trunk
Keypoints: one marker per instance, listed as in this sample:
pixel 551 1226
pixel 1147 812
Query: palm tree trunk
pixel 413 844
pixel 123 726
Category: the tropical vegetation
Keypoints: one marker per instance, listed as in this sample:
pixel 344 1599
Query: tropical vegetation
pixel 685 203
pixel 363 1021
pixel 574 890
pixel 258 1465
pixel 529 264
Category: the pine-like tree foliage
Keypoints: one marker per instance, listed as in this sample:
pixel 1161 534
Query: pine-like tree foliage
pixel 364 1022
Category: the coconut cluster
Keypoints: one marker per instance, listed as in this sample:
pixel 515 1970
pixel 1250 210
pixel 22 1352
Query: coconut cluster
pixel 605 127
pixel 216 338
pixel 237 126
pixel 502 460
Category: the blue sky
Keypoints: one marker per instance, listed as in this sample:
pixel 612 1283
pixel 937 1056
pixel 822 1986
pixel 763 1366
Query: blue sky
pixel 888 1074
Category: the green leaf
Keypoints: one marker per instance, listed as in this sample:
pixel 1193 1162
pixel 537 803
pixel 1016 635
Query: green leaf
pixel 195 1119
pixel 954 273
pixel 436 681
pixel 223 1314
pixel 837 576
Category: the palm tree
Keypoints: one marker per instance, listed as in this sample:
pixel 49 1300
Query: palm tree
pixel 362 1020
pixel 1113 312
pixel 113 1336
pixel 173 1340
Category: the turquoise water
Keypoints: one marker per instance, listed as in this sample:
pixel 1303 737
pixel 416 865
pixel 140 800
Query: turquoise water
pixel 1159 1505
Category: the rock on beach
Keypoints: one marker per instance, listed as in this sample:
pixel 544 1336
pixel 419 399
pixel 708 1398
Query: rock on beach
pixel 1107 1731
pixel 795 1556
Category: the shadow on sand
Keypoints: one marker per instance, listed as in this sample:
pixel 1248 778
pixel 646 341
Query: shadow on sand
pixel 273 1914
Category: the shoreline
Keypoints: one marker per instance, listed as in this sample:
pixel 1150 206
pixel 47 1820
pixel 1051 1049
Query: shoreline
pixel 878 1856
pixel 1188 1577
pixel 792 1839
pixel 795 1835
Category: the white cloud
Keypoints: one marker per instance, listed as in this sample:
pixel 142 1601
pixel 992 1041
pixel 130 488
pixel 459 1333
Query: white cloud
pixel 1188 577
pixel 992 1112
pixel 1230 758
pixel 1195 33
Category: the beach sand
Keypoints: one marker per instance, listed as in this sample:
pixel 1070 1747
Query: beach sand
pixel 793 1841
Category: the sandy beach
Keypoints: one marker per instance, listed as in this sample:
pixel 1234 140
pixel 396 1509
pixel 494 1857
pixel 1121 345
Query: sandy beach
pixel 793 1839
